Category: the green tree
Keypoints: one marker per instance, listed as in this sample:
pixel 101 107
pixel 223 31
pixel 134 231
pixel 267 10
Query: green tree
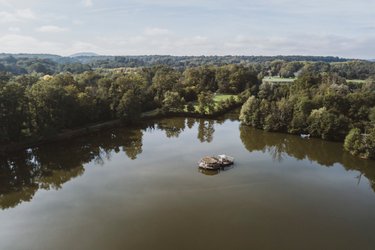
pixel 53 106
pixel 14 114
pixel 250 112
pixel 372 115
pixel 165 79
pixel 190 107
pixel 129 107
pixel 206 104
pixel 327 125
pixel 173 102
pixel 235 78
pixel 199 79
pixel 359 144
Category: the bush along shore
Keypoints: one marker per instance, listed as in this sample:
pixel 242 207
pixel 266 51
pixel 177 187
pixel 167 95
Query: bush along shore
pixel 325 106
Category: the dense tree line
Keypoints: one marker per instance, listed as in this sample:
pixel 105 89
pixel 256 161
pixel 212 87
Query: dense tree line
pixel 151 60
pixel 34 105
pixel 321 104
pixel 355 69
pixel 192 61
pixel 283 66
pixel 27 65
pixel 41 95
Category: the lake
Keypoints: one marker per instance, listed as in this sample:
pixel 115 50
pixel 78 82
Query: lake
pixel 140 188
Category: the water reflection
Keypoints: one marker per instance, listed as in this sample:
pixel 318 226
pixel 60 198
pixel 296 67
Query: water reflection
pixel 50 166
pixel 206 130
pixel 325 153
pixel 22 174
pixel 172 127
pixel 211 172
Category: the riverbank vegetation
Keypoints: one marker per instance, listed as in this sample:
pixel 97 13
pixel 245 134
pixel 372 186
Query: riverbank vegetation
pixel 34 106
pixel 43 96
pixel 324 105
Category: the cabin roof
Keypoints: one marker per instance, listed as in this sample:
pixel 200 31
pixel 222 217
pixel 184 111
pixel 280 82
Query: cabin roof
pixel 210 160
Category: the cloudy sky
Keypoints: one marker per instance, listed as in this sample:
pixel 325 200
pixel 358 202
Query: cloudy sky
pixel 190 27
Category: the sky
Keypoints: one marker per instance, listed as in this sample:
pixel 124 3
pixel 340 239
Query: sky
pixel 344 28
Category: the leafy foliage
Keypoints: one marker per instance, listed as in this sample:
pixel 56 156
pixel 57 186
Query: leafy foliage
pixel 360 144
pixel 322 104
pixel 45 94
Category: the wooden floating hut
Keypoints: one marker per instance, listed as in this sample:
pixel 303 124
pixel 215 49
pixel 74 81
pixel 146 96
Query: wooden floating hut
pixel 214 163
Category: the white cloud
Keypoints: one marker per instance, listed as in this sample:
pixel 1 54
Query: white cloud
pixel 17 15
pixel 156 32
pixel 197 45
pixel 51 29
pixel 193 41
pixel 167 44
pixel 80 46
pixel 13 43
pixel 5 3
pixel 26 14
pixel 14 29
pixel 78 22
pixel 301 44
pixel 88 3
pixel 269 27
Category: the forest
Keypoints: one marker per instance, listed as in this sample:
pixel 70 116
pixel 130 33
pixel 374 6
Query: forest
pixel 35 105
pixel 46 63
pixel 323 105
pixel 44 95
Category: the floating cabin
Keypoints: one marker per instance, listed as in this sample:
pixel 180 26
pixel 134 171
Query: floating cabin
pixel 213 163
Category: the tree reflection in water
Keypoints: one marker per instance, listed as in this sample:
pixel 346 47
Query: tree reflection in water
pixel 173 127
pixel 206 130
pixel 47 167
pixel 50 166
pixel 323 152
pixel 190 122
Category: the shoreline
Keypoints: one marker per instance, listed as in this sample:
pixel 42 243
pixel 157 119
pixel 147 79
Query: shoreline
pixel 74 133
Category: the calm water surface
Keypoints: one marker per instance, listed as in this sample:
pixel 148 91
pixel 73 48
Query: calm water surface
pixel 140 188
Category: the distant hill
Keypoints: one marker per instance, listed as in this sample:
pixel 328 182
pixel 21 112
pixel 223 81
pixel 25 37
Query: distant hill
pixel 192 61
pixel 49 63
pixel 37 56
pixel 19 64
pixel 149 60
pixel 84 54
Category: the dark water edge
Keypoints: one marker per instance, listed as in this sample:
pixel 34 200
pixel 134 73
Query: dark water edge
pixel 67 156
pixel 70 134
pixel 139 188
